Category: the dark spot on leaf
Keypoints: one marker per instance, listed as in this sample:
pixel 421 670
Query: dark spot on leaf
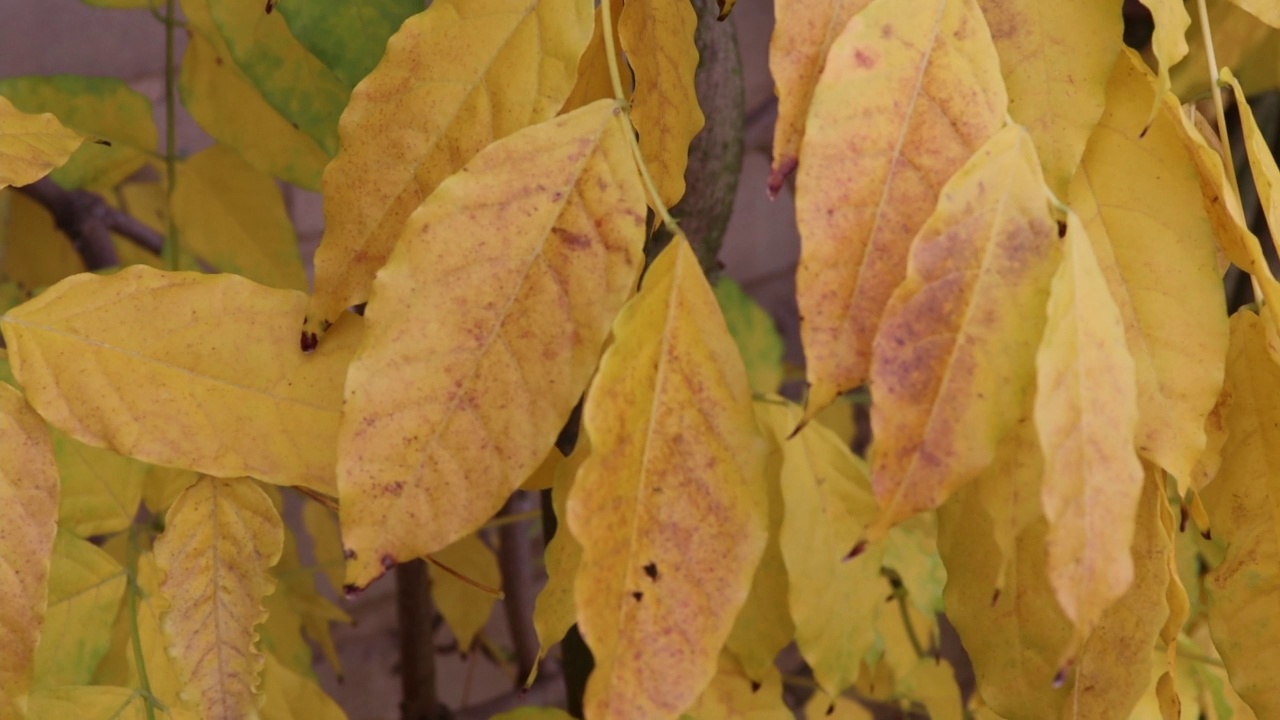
pixel 637 595
pixel 394 488
pixel 755 686
pixel 1207 534
pixel 309 341
pixel 831 709
pixel 325 325
pixel 1060 677
pixel 995 597
pixel 886 31
pixel 217 60
pixel 102 141
pixel 348 553
pixel 1062 229
pixel 351 591
pixel 572 240
pixel 857 550
pixel 388 562
pixel 295 126
pixel 271 5
pixel 864 60
pixel 651 570
pixel 357 309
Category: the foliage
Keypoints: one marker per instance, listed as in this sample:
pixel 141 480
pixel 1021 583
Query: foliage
pixel 1013 241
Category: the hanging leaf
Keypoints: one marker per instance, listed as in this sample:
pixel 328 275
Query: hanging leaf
pixel 955 350
pixel 755 335
pixel 327 28
pixel 28 516
pixel 669 508
pixel 455 78
pixel 1262 162
pixel 554 611
pixel 464 607
pixel 928 93
pixel 220 539
pixel 31 145
pixel 227 391
pixel 593 81
pixel 1240 41
pixel 444 419
pixel 85 588
pixel 37 253
pixel 734 693
pixel 1168 44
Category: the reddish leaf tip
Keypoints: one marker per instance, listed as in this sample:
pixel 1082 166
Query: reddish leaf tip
pixel 309 341
pixel 857 550
pixel 778 176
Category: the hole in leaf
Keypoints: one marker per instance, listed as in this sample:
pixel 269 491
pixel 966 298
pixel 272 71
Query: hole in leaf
pixel 651 570
pixel 637 595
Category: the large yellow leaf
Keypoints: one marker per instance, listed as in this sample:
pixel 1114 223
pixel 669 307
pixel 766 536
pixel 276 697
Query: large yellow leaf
pixel 554 611
pixel 669 507
pixel 97 702
pixel 221 537
pixel 1057 84
pixel 85 588
pixel 735 694
pixel 464 607
pixel 31 145
pixel 1140 201
pixel 28 516
pixel 955 352
pixel 657 38
pixel 447 413
pixel 905 99
pixel 1086 412
pixel 100 489
pixel 826 500
pixel 234 217
pixel 226 391
pixel 454 79
pixel 1244 508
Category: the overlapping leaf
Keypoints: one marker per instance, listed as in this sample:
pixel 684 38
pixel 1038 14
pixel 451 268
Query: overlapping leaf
pixel 291 696
pixel 593 80
pixel 85 589
pixel 31 145
pixel 95 702
pixel 226 393
pixel 347 37
pixel 1168 44
pixel 554 611
pixel 734 693
pixel 100 489
pixel 669 507
pixel 1241 42
pixel 221 537
pixel 1265 10
pixel 36 253
pixel 464 607
pixel 905 99
pixel 447 413
pixel 454 79
pixel 754 333
pixel 956 347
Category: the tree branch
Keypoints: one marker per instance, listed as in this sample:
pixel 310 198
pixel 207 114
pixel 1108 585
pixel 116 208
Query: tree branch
pixel 546 691
pixel 417 651
pixel 515 560
pixel 88 221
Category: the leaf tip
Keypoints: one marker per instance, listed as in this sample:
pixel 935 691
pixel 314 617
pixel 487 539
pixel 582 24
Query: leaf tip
pixel 309 341
pixel 995 597
pixel 858 548
pixel 781 171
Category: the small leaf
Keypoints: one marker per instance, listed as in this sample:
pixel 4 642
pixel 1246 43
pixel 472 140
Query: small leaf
pixel 220 539
pixel 673 438
pixel 100 489
pixel 593 81
pixel 755 335
pixel 1262 163
pixel 734 693
pixel 465 608
pixel 85 588
pixel 444 419
pixel 36 252
pixel 31 145
pixel 1168 44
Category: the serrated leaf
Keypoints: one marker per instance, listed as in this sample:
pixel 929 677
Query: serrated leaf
pixel 1057 85
pixel 98 107
pixel 291 696
pixel 673 438
pixel 1139 198
pixel 735 694
pixel 455 78
pixel 554 611
pixel 228 106
pixel 1086 411
pixel 221 538
pixel 444 419
pixel 28 516
pixel 657 38
pixel 956 345
pixel 98 702
pixel 754 333
pixel 100 489
pixel 85 588
pixel 905 99
pixel 233 216
pixel 31 145
pixel 328 28
pixel 464 607
pixel 227 391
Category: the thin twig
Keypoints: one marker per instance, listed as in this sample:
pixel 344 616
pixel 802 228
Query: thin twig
pixel 417 652
pixel 515 560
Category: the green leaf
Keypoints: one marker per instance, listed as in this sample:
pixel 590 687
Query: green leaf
pixel 754 333
pixel 325 27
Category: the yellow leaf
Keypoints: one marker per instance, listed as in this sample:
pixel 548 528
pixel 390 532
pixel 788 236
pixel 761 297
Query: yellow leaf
pixel 163 485
pixel 326 542
pixel 1057 84
pixel 932 683
pixel 28 516
pixel 100 489
pixel 593 81
pixel 226 392
pixel 1262 163
pixel 554 611
pixel 543 477
pixel 1241 41
pixel 754 333
pixel 1086 411
pixel 1168 43
pixel 911 551
pixel 96 703
pixel 803 31
pixel 85 587
pixel 657 38
pixel 445 418
pixel 228 107
pixel 220 539
pixel 905 99
pixel 454 79
pixel 822 706
pixel 669 507
pixel 838 417
pixel 234 217
pixel 148 202
pixel 290 696
pixel 956 346
pixel 1244 590
pixel 534 713
pixel 1139 198
pixel 1268 11
pixel 826 500
pixel 464 607
pixel 735 694
pixel 161 667
pixel 31 145
pixel 36 253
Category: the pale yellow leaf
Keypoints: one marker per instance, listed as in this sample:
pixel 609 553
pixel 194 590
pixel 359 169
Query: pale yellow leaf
pixel 96 702
pixel 464 607
pixel 163 485
pixel 1241 42
pixel 162 671
pixel 28 516
pixel 670 506
pixel 290 696
pixel 593 81
pixel 233 217
pixel 1168 43
pixel 454 79
pixel 36 252
pixel 221 537
pixel 226 390
pixel 31 145
pixel 326 542
pixel 905 99
pixel 100 489
pixel 1086 412
pixel 932 683
pixel 735 694
pixel 1139 198
pixel 85 588
pixel 826 498
pixel 544 476
pixel 1057 84
pixel 1262 162
pixel 554 611
pixel 446 414
pixel 955 348
pixel 657 38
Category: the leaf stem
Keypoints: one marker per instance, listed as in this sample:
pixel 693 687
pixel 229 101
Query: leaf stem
pixel 900 594
pixel 170 253
pixel 1223 136
pixel 133 591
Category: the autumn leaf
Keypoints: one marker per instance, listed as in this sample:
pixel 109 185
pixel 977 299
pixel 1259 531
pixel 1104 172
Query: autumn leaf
pixel 1241 42
pixel 445 418
pixel 220 539
pixel 544 476
pixel 226 391
pixel 554 611
pixel 28 516
pixel 454 79
pixel 100 489
pixel 1265 10
pixel 464 607
pixel 85 589
pixel 734 693
pixel 669 507
pixel 152 650
pixel 89 702
pixel 1168 44
pixel 593 81
pixel 326 543
pixel 36 253
pixel 822 706
pixel 904 100
pixel 956 344
pixel 1262 163
pixel 291 696
pixel 31 145
pixel 327 29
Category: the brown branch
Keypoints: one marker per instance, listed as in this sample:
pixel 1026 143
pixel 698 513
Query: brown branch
pixel 515 560
pixel 417 651
pixel 546 691
pixel 88 221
